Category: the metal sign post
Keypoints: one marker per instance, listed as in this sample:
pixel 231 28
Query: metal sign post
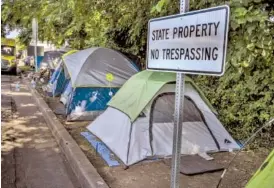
pixel 178 119
pixel 187 43
pixel 35 38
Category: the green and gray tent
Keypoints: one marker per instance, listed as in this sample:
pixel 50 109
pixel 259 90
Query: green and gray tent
pixel 138 122
pixel 264 177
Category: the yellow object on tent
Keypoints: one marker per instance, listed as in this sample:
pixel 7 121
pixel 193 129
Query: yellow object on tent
pixel 264 177
pixel 109 77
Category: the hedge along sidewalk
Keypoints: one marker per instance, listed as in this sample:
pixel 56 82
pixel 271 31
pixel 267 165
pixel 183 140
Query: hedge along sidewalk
pixel 85 172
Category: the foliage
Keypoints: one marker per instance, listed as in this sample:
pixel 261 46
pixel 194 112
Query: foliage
pixel 244 96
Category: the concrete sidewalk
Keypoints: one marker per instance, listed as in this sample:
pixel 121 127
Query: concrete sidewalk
pixel 38 161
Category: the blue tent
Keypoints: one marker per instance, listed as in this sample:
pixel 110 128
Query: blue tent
pixel 66 94
pixel 90 78
pixel 58 80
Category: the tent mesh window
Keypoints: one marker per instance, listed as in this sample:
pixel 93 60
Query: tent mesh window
pixel 163 109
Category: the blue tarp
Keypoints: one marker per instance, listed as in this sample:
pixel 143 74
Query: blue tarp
pixel 101 149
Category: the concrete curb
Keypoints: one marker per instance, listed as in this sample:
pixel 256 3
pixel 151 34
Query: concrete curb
pixel 85 172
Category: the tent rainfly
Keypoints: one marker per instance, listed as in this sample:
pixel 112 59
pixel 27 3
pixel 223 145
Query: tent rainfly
pixel 138 122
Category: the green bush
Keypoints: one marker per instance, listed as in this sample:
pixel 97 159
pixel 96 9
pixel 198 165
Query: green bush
pixel 244 96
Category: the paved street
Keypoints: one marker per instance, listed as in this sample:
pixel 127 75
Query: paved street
pixel 30 156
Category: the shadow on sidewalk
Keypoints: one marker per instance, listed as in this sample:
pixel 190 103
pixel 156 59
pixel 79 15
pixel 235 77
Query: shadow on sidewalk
pixel 30 156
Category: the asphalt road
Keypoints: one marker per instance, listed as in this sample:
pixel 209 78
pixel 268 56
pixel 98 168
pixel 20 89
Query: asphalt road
pixel 30 156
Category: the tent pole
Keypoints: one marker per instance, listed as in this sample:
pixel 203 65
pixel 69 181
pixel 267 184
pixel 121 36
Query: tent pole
pixel 178 119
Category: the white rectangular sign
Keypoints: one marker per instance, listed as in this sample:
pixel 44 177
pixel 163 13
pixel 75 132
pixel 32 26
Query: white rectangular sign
pixel 192 43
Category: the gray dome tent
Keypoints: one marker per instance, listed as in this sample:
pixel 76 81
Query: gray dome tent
pixel 89 90
pixel 142 125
